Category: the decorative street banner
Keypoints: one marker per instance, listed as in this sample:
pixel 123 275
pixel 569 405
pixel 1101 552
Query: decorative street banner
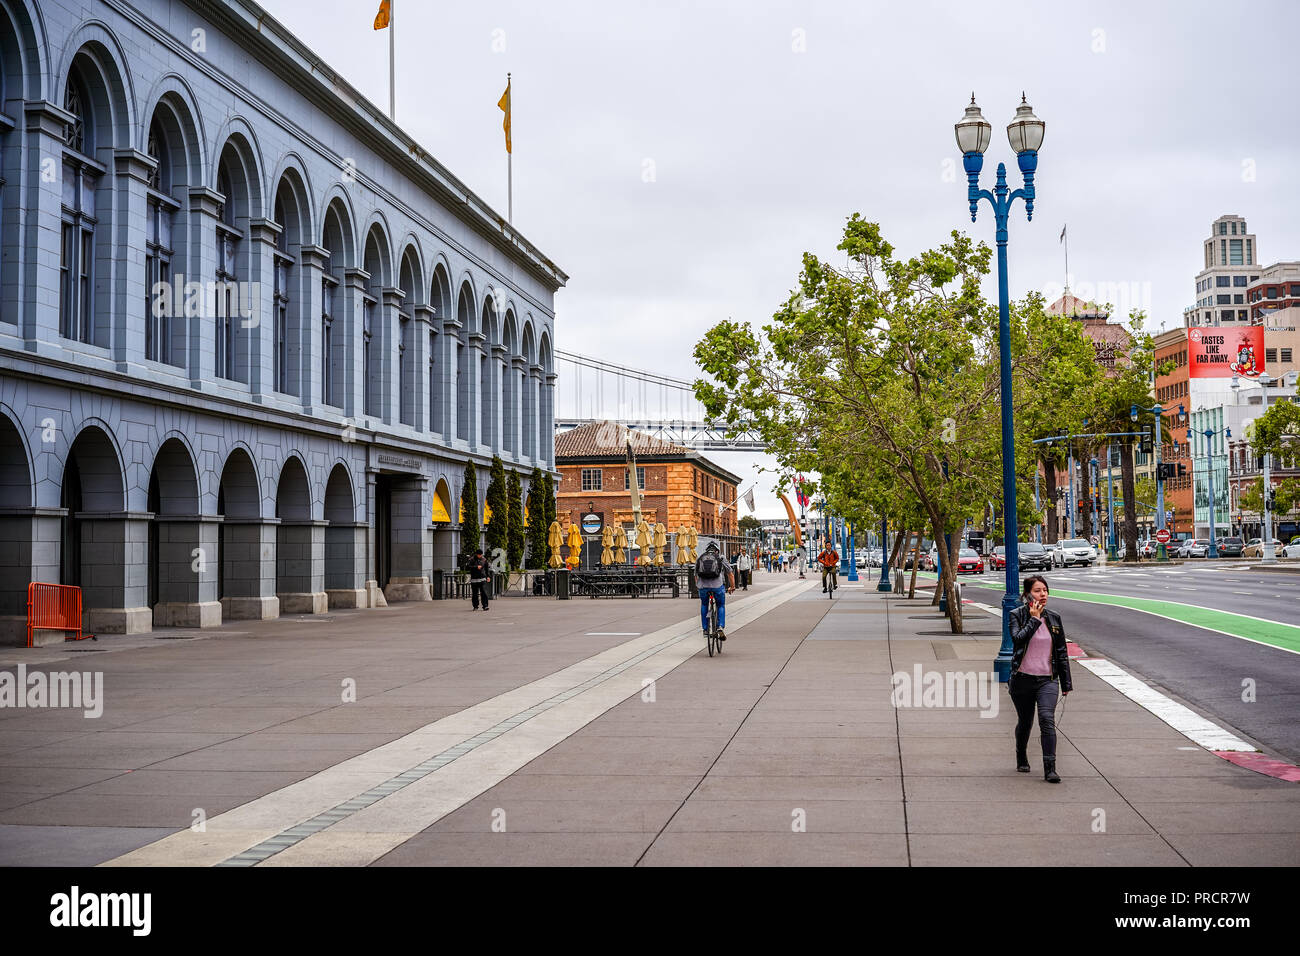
pixel 1225 352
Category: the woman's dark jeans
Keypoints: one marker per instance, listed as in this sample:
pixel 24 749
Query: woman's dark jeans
pixel 1030 692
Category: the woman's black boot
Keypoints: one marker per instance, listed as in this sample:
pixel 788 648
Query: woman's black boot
pixel 1049 770
pixel 1022 761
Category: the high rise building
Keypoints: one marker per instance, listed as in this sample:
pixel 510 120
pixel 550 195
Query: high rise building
pixel 1231 265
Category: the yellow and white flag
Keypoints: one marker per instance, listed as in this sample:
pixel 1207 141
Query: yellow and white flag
pixel 381 18
pixel 504 104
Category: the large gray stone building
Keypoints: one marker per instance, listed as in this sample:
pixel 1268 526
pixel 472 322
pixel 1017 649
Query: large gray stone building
pixel 250 332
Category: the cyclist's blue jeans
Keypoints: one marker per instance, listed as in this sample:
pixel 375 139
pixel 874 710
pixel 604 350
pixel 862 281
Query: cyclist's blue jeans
pixel 721 595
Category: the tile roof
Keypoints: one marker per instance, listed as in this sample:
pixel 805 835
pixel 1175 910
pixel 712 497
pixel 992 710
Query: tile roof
pixel 609 439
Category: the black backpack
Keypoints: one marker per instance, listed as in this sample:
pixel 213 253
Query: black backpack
pixel 708 566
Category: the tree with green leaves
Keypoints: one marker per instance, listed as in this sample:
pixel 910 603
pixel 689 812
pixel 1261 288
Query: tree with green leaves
pixel 887 376
pixel 537 523
pixel 515 534
pixel 749 524
pixel 1277 431
pixel 470 532
pixel 548 499
pixel 497 532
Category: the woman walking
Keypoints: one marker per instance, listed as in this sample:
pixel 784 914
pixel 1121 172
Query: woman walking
pixel 1039 663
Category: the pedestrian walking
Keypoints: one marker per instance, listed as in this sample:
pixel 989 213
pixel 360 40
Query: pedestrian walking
pixel 803 558
pixel 479 583
pixel 743 567
pixel 1040 670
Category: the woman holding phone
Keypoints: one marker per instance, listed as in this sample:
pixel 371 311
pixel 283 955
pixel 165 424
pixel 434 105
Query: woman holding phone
pixel 1039 662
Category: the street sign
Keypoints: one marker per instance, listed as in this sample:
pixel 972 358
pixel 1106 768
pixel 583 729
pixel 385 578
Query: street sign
pixel 592 523
pixel 1163 536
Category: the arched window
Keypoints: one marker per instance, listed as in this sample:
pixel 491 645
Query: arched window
pixel 159 299
pixel 367 330
pixel 433 382
pixel 77 245
pixel 328 285
pixel 227 249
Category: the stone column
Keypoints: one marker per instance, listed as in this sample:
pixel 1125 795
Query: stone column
pixel 347 329
pixel 200 266
pixel 547 452
pixel 411 548
pixel 345 564
pixel 300 566
pixel 422 322
pixel 518 372
pixel 388 339
pixel 308 342
pixel 374 595
pixel 257 331
pixel 534 403
pixel 450 366
pixel 249 570
pixel 30 544
pixel 127 296
pixel 187 572
pixel 476 349
pixel 115 573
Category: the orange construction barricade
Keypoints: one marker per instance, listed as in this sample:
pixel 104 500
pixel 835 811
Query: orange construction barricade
pixel 54 607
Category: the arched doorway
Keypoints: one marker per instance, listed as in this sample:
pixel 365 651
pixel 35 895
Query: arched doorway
pixel 345 543
pixel 182 586
pixel 19 527
pixel 299 545
pixel 245 545
pixel 95 535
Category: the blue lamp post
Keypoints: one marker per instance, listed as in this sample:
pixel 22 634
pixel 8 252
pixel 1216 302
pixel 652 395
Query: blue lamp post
pixel 853 555
pixel 883 584
pixel 1209 434
pixel 1025 133
pixel 1158 411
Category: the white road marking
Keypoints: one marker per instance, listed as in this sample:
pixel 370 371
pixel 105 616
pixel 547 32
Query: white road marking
pixel 1239 592
pixel 623 633
pixel 1187 722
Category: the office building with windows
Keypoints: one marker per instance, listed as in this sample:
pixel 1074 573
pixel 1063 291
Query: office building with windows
pixel 250 332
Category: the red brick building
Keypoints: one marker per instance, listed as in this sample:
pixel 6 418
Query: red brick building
pixel 678 486
pixel 1173 389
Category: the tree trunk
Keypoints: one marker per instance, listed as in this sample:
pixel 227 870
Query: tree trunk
pixel 916 563
pixel 895 555
pixel 950 585
pixel 1054 522
pixel 1130 506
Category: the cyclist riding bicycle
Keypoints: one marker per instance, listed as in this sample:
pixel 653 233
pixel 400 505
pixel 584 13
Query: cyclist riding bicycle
pixel 713 576
pixel 829 559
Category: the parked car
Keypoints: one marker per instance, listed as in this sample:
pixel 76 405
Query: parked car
pixel 1194 548
pixel 969 561
pixel 1292 550
pixel 1149 548
pixel 1077 551
pixel 998 559
pixel 1230 547
pixel 1254 548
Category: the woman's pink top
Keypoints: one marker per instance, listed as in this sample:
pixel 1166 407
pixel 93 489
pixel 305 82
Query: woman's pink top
pixel 1038 656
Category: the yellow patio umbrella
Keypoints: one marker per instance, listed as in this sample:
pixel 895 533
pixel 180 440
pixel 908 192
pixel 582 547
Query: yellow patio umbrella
pixel 644 538
pixel 692 540
pixel 661 543
pixel 682 545
pixel 606 541
pixel 620 542
pixel 575 545
pixel 555 538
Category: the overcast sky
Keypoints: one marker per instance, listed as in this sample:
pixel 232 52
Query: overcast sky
pixel 676 159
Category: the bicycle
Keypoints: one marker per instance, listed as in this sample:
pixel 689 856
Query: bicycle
pixel 831 586
pixel 711 638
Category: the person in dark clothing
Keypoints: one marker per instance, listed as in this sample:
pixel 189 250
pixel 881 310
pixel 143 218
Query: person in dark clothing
pixel 479 583
pixel 1040 662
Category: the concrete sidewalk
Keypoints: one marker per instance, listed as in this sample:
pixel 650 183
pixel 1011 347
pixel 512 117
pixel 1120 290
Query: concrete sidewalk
pixel 547 732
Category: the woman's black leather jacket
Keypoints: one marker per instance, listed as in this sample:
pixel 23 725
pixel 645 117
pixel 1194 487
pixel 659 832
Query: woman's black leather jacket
pixel 1023 625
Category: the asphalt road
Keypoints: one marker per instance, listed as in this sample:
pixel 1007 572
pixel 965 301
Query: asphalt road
pixel 1206 670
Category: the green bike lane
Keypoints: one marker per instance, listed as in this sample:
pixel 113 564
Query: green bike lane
pixel 1246 627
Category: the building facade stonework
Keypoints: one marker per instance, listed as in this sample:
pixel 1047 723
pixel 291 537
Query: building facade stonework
pixel 250 332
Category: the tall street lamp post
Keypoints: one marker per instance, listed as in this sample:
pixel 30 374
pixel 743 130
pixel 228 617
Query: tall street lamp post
pixel 1209 434
pixel 1025 133
pixel 1158 411
pixel 883 584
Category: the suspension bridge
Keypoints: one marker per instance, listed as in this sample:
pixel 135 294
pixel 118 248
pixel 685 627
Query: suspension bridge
pixel 590 389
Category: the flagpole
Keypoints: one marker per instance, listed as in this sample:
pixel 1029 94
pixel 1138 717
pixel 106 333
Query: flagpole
pixel 1065 238
pixel 392 47
pixel 510 169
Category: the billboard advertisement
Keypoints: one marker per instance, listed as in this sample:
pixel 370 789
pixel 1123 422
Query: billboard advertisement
pixel 1225 352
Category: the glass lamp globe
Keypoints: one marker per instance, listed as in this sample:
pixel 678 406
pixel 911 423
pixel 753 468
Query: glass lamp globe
pixel 974 131
pixel 1025 131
